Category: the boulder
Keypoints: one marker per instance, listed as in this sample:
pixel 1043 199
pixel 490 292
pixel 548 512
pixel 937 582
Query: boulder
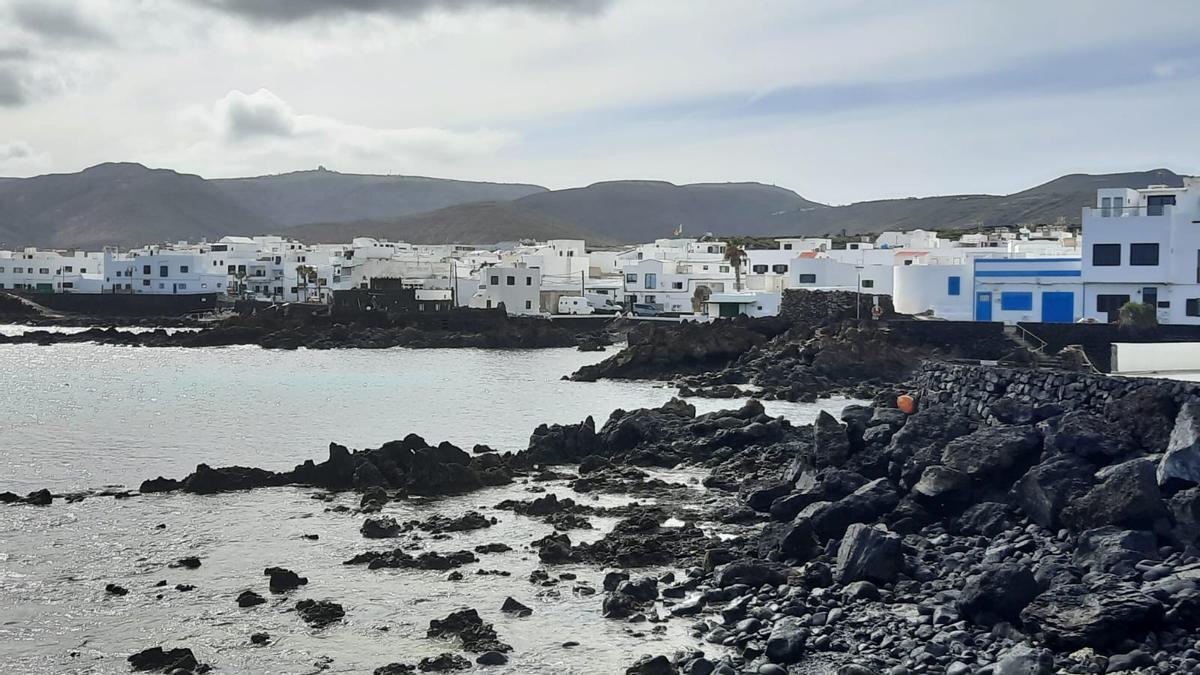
pixel 1085 435
pixel 249 599
pixel 1129 498
pixel 652 665
pixel 1025 660
pixel 794 540
pixel 864 505
pixel 1112 550
pixel 831 445
pixel 749 572
pixel 940 484
pixel 320 613
pixel 283 580
pixel 998 593
pixel 986 518
pixel 1180 465
pixel 383 527
pixel 1009 410
pixel 1046 489
pixel 165 660
pixel 785 643
pixel 868 553
pixel 991 452
pixel 1101 614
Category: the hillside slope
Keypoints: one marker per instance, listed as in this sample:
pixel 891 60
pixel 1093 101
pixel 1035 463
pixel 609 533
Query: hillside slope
pixel 322 196
pixel 117 204
pixel 482 223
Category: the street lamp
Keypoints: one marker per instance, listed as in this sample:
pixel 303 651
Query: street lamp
pixel 858 292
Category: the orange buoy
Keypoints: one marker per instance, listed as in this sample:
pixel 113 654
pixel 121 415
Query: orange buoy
pixel 906 403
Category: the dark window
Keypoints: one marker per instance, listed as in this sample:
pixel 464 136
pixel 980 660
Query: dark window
pixel 1111 304
pixel 1150 295
pixel 779 269
pixel 807 279
pixel 787 247
pixel 1106 255
pixel 162 271
pixel 1193 307
pixel 68 269
pixel 1016 301
pixel 868 283
pixel 495 281
pixel 1145 255
pixel 68 284
pixel 1155 204
pixel 759 269
pixel 233 269
pixel 528 304
pixel 631 278
pixel 528 281
pixel 145 282
pixel 511 281
pixel 183 269
pixel 953 285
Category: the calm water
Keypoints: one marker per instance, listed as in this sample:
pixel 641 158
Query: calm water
pixel 77 416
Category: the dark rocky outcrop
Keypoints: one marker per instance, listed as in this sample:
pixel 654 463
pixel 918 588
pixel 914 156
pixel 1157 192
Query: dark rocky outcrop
pixel 320 613
pixel 163 660
pixel 466 625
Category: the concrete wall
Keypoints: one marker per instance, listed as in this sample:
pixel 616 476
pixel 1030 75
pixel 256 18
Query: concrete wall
pixel 1158 357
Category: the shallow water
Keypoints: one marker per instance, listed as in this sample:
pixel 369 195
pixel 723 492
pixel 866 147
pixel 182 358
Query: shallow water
pixel 77 416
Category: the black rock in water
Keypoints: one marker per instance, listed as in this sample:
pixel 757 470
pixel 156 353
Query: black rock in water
pixel 512 606
pixel 443 663
pixel 320 613
pixel 249 599
pixel 283 580
pixel 156 658
pixel 114 589
pixel 190 562
pixel 467 626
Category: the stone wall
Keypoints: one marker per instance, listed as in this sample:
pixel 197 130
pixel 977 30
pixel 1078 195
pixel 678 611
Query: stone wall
pixel 815 308
pixel 971 389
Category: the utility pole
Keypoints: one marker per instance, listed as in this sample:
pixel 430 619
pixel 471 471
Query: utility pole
pixel 858 292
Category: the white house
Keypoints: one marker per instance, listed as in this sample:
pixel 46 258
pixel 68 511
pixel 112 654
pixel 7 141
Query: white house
pixel 672 285
pixel 1047 290
pixel 1143 246
pixel 753 304
pixel 515 286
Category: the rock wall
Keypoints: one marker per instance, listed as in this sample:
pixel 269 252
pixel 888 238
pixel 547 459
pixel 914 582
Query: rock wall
pixel 816 308
pixel 1097 338
pixel 971 389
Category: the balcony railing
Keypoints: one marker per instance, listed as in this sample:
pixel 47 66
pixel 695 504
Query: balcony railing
pixel 1130 211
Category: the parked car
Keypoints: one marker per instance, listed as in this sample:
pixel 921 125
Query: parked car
pixel 574 305
pixel 644 309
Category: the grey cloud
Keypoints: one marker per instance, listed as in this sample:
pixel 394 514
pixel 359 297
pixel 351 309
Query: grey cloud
pixel 17 150
pixel 57 20
pixel 288 11
pixel 12 90
pixel 14 54
pixel 254 115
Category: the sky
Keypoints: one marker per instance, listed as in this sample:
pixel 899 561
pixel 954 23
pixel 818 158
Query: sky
pixel 839 100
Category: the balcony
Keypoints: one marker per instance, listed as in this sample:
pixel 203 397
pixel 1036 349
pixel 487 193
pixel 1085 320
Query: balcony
pixel 1130 211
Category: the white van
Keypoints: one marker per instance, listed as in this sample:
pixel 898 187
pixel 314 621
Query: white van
pixel 573 304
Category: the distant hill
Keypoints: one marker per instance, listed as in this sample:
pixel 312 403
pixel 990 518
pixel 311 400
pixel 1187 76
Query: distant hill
pixel 635 211
pixel 323 196
pixel 482 223
pixel 116 204
pixel 128 204
pixel 1062 197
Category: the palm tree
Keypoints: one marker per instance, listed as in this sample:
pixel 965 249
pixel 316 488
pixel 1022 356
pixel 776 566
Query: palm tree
pixel 735 255
pixel 305 274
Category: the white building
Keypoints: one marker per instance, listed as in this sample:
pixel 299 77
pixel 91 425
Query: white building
pixel 1046 290
pixel 673 285
pixel 1143 246
pixel 753 304
pixel 517 287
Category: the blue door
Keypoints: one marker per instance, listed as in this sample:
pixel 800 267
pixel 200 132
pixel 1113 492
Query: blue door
pixel 983 306
pixel 1058 307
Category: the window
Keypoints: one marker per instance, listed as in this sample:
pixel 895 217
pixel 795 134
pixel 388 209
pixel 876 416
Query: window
pixel 1150 295
pixel 528 304
pixel 779 269
pixel 82 270
pixel 868 283
pixel 68 269
pixel 807 279
pixel 161 286
pixel 43 270
pixel 511 281
pixel 233 269
pixel 18 270
pixel 182 287
pixel 495 280
pixel 1110 304
pixel 145 282
pixel 651 281
pixel 203 285
pixel 163 271
pixel 183 269
pixel 68 284
pixel 953 285
pixel 1 270
pixel 1193 307
pixel 528 281
pixel 675 285
pixel 631 278
pixel 1106 255
pixel 1016 301
pixel 724 268
pixel 649 299
pixel 1143 255
pixel 759 269
pixel 1156 204
pixel 787 247
pixel 145 269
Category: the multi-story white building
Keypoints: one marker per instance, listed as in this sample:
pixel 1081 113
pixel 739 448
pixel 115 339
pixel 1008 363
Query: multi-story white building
pixel 1143 246
pixel 516 287
pixel 43 271
pixel 679 285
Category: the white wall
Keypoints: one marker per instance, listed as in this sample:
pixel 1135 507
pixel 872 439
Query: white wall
pixel 1155 357
pixel 920 288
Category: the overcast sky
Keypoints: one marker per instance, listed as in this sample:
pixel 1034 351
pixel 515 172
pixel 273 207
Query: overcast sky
pixel 839 100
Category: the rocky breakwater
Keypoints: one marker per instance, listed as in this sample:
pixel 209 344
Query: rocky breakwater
pixel 396 469
pixel 330 333
pixel 658 350
pixel 1028 539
